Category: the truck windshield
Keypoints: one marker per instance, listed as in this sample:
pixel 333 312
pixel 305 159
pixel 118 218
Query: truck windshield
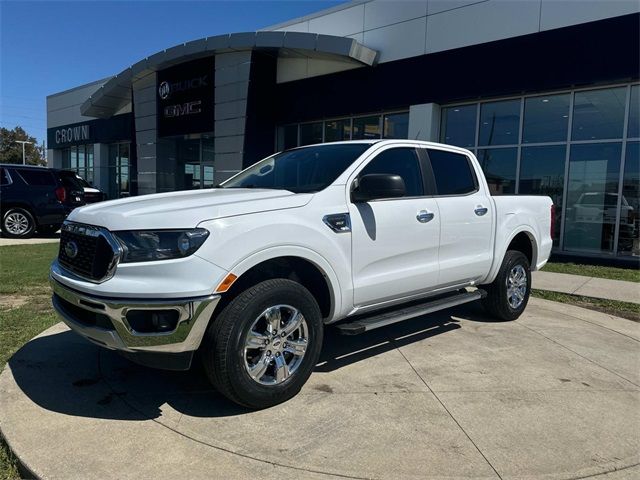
pixel 301 170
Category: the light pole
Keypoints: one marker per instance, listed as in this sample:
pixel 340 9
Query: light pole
pixel 23 143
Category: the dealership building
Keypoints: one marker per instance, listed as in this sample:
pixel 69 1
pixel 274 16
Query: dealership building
pixel 545 92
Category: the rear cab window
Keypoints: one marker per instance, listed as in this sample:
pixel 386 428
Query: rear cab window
pixel 36 177
pixel 453 173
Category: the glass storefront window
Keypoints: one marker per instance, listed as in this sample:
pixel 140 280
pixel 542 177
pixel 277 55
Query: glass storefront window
pixel 119 170
pixel 310 133
pixel 89 164
pixel 599 114
pixel 542 173
pixel 629 234
pixel 79 158
pixel 188 172
pixel 287 137
pixel 592 197
pixel 366 128
pixel 546 119
pixel 396 125
pixel 337 130
pixel 459 125
pixel 633 131
pixel 499 167
pixel 499 123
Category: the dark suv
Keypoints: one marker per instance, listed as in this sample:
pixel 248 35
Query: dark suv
pixel 35 199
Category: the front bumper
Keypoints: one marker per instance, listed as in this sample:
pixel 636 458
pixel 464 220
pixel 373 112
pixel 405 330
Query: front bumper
pixel 104 321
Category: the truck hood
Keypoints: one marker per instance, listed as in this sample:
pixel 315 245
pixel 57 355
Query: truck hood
pixel 184 209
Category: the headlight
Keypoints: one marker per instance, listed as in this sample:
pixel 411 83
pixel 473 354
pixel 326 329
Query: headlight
pixel 150 245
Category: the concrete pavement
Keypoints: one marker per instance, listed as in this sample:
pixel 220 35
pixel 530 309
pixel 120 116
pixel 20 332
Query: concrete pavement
pixel 587 286
pixel 29 241
pixel 554 395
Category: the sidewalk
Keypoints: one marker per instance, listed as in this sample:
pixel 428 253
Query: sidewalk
pixel 587 286
pixel 27 241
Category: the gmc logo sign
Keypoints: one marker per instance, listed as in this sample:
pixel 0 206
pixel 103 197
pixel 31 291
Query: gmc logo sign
pixel 180 110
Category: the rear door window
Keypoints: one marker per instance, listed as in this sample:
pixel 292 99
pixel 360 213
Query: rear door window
pixel 36 177
pixel 452 172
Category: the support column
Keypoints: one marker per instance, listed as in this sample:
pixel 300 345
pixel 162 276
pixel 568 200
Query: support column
pixel 230 112
pixel 424 122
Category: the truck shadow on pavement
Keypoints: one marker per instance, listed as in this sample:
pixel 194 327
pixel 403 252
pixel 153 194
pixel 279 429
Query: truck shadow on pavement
pixel 64 373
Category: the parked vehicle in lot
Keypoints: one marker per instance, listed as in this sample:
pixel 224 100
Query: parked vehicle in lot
pixel 35 199
pixel 91 193
pixel 358 234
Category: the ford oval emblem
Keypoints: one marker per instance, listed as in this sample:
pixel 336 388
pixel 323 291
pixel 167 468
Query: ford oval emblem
pixel 164 90
pixel 71 249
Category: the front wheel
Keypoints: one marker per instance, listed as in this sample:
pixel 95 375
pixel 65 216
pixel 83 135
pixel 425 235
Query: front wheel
pixel 508 295
pixel 263 346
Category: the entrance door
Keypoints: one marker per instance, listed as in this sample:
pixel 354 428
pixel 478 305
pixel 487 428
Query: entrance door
pixel 195 163
pixel 395 241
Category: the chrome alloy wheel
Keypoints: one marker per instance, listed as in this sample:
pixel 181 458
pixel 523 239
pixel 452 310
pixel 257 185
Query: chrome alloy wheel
pixel 516 286
pixel 16 223
pixel 275 344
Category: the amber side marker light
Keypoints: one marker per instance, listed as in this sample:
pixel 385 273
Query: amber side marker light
pixel 226 283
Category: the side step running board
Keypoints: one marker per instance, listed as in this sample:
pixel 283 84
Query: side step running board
pixel 377 320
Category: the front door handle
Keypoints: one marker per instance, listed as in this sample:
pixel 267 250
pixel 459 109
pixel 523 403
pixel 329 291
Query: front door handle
pixel 424 216
pixel 480 210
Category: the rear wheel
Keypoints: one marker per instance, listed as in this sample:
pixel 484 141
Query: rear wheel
pixel 263 346
pixel 508 295
pixel 18 223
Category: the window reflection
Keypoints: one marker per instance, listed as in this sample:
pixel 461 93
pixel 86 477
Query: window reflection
pixel 499 123
pixel 592 197
pixel 633 131
pixel 599 114
pixel 499 167
pixel 310 133
pixel 542 173
pixel 628 238
pixel 459 125
pixel 337 130
pixel 396 125
pixel 546 119
pixel 365 128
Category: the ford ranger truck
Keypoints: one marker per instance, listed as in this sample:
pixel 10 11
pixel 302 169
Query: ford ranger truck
pixel 359 234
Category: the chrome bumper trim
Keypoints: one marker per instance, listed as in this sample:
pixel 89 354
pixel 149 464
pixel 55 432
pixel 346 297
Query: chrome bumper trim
pixel 194 315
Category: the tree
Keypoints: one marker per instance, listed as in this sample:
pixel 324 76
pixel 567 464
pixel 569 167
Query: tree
pixel 11 151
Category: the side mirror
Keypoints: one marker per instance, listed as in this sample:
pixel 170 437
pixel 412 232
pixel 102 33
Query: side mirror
pixel 378 185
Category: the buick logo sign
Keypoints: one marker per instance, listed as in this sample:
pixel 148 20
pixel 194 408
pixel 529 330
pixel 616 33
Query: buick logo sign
pixel 71 249
pixel 164 90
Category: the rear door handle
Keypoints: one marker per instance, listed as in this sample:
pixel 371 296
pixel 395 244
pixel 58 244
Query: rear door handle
pixel 480 210
pixel 424 216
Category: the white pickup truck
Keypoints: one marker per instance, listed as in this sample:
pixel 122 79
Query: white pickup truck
pixel 359 234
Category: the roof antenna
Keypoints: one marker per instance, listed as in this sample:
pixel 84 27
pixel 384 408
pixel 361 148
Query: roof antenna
pixel 418 134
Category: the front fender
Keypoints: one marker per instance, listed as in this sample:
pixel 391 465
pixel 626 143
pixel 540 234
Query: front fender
pixel 318 260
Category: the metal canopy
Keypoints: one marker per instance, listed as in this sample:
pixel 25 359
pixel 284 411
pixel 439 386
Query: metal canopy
pixel 116 92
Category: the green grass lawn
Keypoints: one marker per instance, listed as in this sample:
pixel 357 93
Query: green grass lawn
pixel 25 311
pixel 612 273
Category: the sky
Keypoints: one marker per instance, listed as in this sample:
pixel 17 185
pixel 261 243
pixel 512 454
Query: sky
pixel 50 46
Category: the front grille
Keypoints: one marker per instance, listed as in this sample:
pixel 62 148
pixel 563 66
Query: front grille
pixel 82 316
pixel 85 250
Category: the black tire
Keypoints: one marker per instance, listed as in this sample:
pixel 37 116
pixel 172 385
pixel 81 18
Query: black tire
pixel 497 302
pixel 223 348
pixel 13 218
pixel 48 229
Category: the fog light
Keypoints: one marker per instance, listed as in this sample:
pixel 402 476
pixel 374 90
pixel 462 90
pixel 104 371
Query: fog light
pixel 153 321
